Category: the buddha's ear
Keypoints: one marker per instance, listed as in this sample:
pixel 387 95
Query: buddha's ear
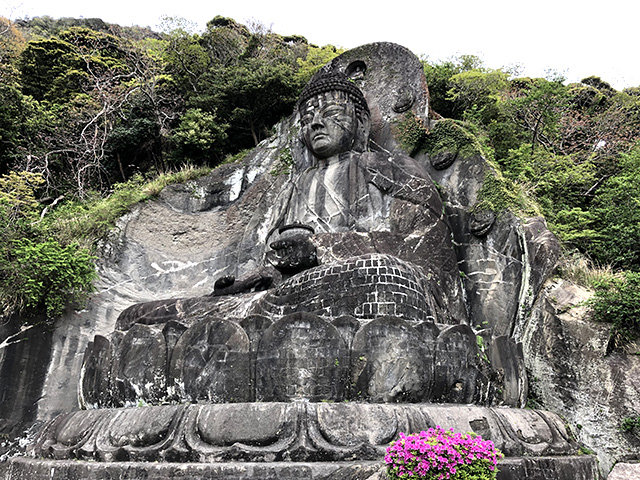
pixel 361 143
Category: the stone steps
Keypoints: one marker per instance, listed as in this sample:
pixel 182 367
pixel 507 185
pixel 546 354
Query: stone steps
pixel 578 467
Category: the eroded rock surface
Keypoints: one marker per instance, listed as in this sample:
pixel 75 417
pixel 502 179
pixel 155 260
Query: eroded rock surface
pixel 572 374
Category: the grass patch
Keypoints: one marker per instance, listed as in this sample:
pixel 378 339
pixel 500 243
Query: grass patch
pixel 88 220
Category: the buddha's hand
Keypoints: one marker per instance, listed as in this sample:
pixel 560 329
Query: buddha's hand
pixel 293 254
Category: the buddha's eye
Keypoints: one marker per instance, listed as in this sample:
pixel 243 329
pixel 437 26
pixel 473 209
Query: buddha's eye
pixel 332 112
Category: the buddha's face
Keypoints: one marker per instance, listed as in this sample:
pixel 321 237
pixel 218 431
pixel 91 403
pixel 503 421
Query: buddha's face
pixel 329 124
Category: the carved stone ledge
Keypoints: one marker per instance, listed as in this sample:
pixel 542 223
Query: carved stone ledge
pixel 296 431
pixel 581 467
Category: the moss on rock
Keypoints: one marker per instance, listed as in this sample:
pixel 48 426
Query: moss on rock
pixel 451 136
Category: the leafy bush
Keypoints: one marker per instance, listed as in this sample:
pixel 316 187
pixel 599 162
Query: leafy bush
pixel 616 210
pixel 45 262
pixel 630 424
pixel 439 454
pixel 452 136
pixel 412 133
pixel 44 275
pixel 198 136
pixel 617 301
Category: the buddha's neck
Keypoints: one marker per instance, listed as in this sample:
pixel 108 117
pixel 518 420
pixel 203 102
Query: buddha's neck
pixel 333 160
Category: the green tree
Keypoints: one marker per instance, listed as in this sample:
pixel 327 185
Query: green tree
pixel 439 76
pixel 183 54
pixel 12 43
pixel 616 208
pixel 536 105
pixel 315 58
pixel 198 137
pixel 44 276
pixel 254 96
pixel 476 92
pixel 35 275
pixel 51 69
pixel 225 41
pixel 617 301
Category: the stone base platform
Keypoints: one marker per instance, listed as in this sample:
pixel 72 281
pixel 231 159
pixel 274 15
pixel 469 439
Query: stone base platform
pixel 582 467
pixel 295 440
pixel 291 432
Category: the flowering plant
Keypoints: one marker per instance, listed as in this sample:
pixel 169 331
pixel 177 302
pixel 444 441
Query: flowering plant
pixel 439 454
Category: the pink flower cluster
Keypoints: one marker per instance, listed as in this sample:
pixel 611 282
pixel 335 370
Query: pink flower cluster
pixel 438 454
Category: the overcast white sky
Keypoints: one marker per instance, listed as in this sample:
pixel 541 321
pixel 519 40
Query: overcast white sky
pixel 575 38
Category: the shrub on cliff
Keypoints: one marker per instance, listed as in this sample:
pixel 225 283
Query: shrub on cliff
pixel 617 301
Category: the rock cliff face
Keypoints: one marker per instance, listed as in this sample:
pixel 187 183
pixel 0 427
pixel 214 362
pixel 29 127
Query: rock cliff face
pixel 571 373
pixel 421 299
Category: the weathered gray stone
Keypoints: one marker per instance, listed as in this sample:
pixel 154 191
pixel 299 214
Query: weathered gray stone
pixel 530 468
pixel 566 355
pixel 24 357
pixel 365 287
pixel 391 79
pixel 390 363
pixel 301 356
pixel 625 471
pixel 140 366
pixel 211 361
pixel 292 431
pixel 543 251
pixel 458 378
pixel 504 261
pixel 507 361
pixel 96 373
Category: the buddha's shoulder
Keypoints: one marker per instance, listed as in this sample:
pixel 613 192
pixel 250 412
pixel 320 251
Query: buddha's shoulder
pixel 396 162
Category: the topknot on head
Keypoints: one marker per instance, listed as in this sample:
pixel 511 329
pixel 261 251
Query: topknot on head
pixel 332 81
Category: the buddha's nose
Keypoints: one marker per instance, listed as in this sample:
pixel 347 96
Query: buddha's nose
pixel 317 121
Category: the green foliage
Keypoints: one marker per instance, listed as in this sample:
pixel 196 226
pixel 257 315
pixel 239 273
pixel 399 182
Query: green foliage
pixel 315 58
pixel 616 212
pixel 630 424
pixel 439 76
pixel 43 276
pixel 499 194
pixel 411 132
pixel 617 301
pixel 17 199
pixel 50 70
pixel 35 274
pixel 198 136
pixel 184 54
pixel 57 68
pixel 600 85
pixel 451 136
pixel 284 163
pixel 606 224
pixel 46 262
pixel 476 92
pixel 536 106
pixel 11 45
pixel 251 97
pixel 19 117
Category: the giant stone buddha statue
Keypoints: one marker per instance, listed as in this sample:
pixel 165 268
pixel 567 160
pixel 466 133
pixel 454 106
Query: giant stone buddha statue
pixel 337 317
pixel 359 257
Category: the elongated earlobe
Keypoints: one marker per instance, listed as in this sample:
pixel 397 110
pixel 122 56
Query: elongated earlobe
pixel 361 142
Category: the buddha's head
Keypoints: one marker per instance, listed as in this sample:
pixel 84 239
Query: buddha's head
pixel 334 116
